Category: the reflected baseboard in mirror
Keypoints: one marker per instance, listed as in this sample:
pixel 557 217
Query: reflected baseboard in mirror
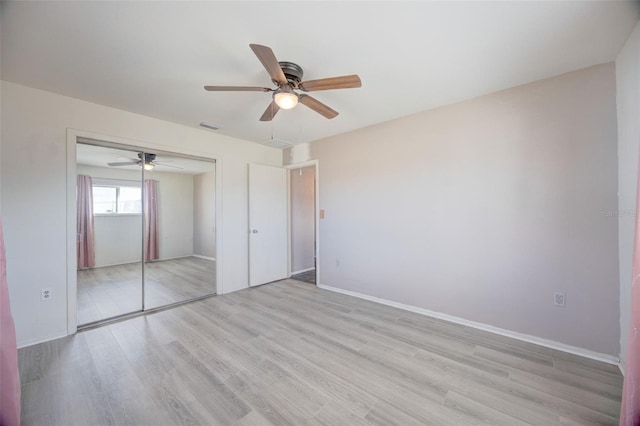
pixel 103 292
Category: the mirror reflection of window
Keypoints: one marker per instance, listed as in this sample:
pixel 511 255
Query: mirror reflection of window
pixel 104 199
pixel 129 200
pixel 116 199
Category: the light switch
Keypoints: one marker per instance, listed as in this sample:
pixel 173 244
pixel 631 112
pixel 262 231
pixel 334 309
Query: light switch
pixel 321 214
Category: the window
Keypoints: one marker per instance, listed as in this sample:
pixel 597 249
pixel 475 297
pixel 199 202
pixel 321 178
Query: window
pixel 116 199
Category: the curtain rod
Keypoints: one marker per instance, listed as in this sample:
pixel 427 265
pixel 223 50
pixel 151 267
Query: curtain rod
pixel 121 180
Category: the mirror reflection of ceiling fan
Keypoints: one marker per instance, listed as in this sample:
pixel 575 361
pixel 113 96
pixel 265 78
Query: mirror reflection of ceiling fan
pixel 149 162
pixel 287 76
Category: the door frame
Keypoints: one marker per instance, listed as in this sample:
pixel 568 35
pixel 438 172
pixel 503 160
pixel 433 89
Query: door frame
pixel 290 168
pixel 73 137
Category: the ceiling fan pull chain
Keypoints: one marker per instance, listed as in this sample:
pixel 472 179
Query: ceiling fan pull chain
pixel 271 121
pixel 300 129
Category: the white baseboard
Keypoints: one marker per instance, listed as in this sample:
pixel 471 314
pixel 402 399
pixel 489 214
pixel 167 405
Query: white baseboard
pixel 609 359
pixel 154 260
pixel 204 257
pixel 125 262
pixel 183 256
pixel 38 341
pixel 302 270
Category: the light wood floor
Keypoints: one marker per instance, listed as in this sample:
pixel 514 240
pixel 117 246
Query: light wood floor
pixel 289 353
pixel 115 290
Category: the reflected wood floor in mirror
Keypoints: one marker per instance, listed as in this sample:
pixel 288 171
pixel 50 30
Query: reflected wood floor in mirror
pixel 115 290
pixel 289 353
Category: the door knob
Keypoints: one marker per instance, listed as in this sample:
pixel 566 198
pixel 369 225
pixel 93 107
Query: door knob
pixel 255 231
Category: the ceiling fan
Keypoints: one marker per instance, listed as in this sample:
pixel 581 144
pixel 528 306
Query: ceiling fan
pixel 287 76
pixel 149 162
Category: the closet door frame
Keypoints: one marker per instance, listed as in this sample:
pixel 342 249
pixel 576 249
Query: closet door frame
pixel 75 136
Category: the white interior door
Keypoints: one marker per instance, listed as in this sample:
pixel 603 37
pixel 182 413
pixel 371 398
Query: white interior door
pixel 267 224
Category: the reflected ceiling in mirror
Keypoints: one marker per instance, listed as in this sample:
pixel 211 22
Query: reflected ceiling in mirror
pixel 100 156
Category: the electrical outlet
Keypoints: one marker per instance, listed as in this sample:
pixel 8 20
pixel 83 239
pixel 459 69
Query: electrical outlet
pixel 558 299
pixel 47 293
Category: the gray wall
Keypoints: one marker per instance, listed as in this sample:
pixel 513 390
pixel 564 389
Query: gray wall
pixel 204 214
pixel 483 209
pixel 303 224
pixel 628 101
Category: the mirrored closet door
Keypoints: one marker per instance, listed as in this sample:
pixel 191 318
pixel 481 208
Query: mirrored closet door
pixel 146 230
pixel 180 230
pixel 109 222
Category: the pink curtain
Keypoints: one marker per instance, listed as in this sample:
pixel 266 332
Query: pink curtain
pixel 10 378
pixel 151 248
pixel 84 208
pixel 630 411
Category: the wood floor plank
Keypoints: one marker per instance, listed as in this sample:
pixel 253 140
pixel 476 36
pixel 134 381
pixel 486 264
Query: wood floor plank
pixel 479 412
pixel 143 351
pixel 254 418
pixel 289 389
pixel 379 380
pixel 335 414
pixel 36 361
pixel 548 371
pixel 405 411
pixel 589 399
pixel 259 399
pixel 353 398
pixel 180 406
pixel 526 398
pixel 608 375
pixel 428 341
pixel 385 414
pixel 507 402
pixel 222 404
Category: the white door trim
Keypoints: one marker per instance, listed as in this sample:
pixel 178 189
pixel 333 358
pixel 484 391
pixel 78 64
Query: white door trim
pixel 316 164
pixel 72 138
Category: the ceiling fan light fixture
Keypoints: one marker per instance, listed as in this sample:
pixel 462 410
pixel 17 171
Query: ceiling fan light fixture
pixel 149 166
pixel 285 99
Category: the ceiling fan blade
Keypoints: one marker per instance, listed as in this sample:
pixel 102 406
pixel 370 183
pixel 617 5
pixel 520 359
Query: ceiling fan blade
pixel 270 112
pixel 124 163
pixel 343 82
pixel 167 165
pixel 269 61
pixel 317 106
pixel 236 89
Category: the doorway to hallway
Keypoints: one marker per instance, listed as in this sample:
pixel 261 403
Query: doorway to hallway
pixel 302 202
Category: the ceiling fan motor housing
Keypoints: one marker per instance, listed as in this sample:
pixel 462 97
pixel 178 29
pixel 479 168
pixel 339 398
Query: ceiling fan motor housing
pixel 148 157
pixel 293 72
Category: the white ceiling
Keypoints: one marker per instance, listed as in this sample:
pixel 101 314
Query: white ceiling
pixel 154 58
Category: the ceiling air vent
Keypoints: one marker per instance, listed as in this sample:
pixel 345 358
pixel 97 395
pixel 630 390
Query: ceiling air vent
pixel 209 125
pixel 277 143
